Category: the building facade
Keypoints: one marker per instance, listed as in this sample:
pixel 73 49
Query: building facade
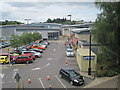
pixel 47 30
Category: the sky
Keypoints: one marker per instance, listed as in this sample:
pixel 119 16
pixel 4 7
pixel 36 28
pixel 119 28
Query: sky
pixel 41 11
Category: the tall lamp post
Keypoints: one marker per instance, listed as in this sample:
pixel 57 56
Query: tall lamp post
pixel 27 20
pixel 70 24
pixel 89 67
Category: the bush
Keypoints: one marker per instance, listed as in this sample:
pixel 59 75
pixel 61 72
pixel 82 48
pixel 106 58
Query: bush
pixel 101 73
pixel 111 73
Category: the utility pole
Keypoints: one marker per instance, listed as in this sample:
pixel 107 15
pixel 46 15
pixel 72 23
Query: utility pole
pixel 70 24
pixel 89 67
pixel 70 33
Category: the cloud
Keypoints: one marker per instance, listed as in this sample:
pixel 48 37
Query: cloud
pixel 41 11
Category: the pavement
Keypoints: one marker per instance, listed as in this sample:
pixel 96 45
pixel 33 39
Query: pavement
pixel 102 82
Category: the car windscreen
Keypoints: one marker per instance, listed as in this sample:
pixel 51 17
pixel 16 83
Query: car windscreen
pixel 1 58
pixel 73 73
pixel 69 50
pixel 27 52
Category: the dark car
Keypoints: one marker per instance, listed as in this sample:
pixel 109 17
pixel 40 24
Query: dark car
pixel 71 76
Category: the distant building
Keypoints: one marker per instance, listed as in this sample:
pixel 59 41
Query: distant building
pixel 47 30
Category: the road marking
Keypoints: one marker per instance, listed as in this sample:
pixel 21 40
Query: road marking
pixel 41 67
pixel 35 69
pixel 61 82
pixel 41 83
pixel 1 75
pixel 9 82
pixel 46 65
pixel 54 50
pixel 49 59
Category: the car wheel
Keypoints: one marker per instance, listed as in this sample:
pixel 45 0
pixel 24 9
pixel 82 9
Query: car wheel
pixel 71 82
pixel 4 62
pixel 27 62
pixel 32 60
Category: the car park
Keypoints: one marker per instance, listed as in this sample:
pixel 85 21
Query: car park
pixel 71 76
pixel 69 52
pixel 4 59
pixel 37 54
pixel 25 58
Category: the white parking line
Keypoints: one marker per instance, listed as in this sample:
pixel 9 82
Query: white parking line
pixel 41 83
pixel 61 82
pixel 1 75
pixel 35 69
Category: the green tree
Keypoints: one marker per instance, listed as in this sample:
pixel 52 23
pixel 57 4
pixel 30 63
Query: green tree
pixel 15 41
pixel 107 32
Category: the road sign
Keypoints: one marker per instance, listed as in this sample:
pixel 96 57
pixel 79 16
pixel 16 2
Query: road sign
pixel 17 77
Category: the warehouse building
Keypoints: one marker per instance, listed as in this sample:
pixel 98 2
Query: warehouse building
pixel 48 31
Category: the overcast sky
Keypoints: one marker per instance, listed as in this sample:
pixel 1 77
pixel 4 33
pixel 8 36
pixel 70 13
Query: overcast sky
pixel 41 11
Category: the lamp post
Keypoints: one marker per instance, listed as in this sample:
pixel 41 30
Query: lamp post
pixel 89 67
pixel 70 24
pixel 27 20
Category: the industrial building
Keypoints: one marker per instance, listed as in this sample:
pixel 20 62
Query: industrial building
pixel 50 31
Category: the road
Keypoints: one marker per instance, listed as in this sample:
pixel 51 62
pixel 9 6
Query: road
pixel 53 59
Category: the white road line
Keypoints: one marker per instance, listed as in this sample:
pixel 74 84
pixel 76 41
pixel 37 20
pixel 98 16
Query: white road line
pixel 1 75
pixel 41 83
pixel 61 82
pixel 35 69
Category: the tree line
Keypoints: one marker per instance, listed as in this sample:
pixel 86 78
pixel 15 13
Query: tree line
pixel 24 39
pixel 106 33
pixel 6 22
pixel 60 21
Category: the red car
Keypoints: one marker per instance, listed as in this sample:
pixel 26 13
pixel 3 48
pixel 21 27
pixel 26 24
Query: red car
pixel 25 58
pixel 31 54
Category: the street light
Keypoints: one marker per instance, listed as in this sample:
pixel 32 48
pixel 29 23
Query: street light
pixel 27 20
pixel 89 67
pixel 70 24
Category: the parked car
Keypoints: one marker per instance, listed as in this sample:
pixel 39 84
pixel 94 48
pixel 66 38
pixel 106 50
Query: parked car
pixel 71 76
pixel 69 53
pixel 25 58
pixel 37 54
pixel 37 50
pixel 38 47
pixel 4 59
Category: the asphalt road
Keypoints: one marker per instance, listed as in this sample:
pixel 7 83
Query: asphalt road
pixel 53 59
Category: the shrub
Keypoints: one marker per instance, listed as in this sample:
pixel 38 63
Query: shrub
pixel 101 73
pixel 111 73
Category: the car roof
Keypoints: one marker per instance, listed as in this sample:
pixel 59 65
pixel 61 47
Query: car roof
pixel 68 69
pixel 3 56
pixel 25 55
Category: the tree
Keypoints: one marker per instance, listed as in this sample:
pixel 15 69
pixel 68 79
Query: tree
pixel 24 39
pixel 15 41
pixel 6 22
pixel 106 32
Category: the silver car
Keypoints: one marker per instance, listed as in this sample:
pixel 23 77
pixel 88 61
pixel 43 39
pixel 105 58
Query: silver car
pixel 69 53
pixel 37 54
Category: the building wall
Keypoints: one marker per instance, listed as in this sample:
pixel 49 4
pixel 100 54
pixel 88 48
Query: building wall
pixel 84 64
pixel 43 28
